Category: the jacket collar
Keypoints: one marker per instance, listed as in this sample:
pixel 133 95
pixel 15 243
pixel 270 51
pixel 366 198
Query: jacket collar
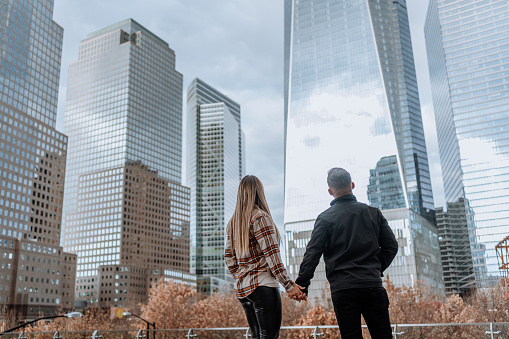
pixel 343 198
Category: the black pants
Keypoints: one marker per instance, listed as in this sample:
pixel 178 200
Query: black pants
pixel 372 303
pixel 264 312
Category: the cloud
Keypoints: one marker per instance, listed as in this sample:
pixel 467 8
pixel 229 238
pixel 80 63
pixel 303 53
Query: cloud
pixel 265 146
pixel 237 47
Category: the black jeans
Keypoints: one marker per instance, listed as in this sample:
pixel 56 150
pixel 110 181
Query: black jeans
pixel 372 303
pixel 263 312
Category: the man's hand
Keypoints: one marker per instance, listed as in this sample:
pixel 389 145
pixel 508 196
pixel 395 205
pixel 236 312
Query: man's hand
pixel 297 294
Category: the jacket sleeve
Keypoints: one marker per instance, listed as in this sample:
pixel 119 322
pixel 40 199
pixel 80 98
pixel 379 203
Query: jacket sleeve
pixel 387 242
pixel 314 251
pixel 265 235
pixel 230 257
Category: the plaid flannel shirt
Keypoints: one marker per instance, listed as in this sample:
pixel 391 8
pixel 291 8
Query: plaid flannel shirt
pixel 264 258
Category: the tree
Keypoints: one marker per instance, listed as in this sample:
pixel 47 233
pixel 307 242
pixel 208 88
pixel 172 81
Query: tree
pixel 170 305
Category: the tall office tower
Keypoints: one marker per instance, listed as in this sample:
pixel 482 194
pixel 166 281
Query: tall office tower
pixel 385 190
pixel 455 248
pixel 352 101
pixel 32 160
pixel 124 203
pixel 215 159
pixel 468 55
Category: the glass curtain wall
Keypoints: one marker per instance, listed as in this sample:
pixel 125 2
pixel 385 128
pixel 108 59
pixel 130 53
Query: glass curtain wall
pixel 123 105
pixel 213 177
pixel 352 102
pixel 468 54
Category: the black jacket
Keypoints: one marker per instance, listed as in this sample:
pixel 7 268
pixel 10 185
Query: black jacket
pixel 356 242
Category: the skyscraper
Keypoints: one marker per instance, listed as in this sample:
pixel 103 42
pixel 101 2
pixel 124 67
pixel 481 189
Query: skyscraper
pixel 455 248
pixel 124 205
pixel 351 101
pixel 32 161
pixel 385 190
pixel 215 165
pixel 468 55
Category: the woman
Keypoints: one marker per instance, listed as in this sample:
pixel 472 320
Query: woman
pixel 253 258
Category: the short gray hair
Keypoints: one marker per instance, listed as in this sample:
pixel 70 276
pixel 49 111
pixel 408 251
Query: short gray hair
pixel 338 178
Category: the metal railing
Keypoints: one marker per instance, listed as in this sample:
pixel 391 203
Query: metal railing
pixel 464 330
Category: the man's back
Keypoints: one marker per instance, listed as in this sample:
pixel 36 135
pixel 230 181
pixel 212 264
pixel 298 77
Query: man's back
pixel 357 245
pixel 352 254
pixel 356 242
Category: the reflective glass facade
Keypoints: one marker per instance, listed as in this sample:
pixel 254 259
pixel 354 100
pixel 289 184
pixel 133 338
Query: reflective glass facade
pixel 214 170
pixel 123 109
pixel 352 101
pixel 31 51
pixel 385 190
pixel 32 162
pixel 468 55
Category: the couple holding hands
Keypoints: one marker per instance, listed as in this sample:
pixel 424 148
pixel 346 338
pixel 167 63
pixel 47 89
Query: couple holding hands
pixel 355 240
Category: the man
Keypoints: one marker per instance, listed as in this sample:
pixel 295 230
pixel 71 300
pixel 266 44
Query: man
pixel 357 246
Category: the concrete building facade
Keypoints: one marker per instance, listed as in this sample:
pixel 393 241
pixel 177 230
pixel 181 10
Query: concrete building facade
pixel 32 162
pixel 455 249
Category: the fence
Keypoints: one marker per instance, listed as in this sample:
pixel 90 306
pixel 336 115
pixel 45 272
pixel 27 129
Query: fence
pixel 457 330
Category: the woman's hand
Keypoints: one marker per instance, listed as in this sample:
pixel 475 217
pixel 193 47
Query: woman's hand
pixel 297 294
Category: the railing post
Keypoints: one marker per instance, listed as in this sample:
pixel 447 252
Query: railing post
pixel 57 335
pixel 190 334
pixel 316 334
pixel 247 334
pixel 96 335
pixel 490 332
pixel 140 335
pixel 22 335
pixel 396 333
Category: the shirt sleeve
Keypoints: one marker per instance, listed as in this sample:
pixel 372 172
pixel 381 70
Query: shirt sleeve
pixel 387 242
pixel 265 235
pixel 230 257
pixel 314 251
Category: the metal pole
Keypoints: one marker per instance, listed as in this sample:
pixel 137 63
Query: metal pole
pixel 190 334
pixel 31 322
pixel 396 333
pixel 316 334
pixel 491 332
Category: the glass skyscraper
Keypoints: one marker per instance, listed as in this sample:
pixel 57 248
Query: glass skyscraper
pixel 351 101
pixel 215 165
pixel 385 190
pixel 468 56
pixel 124 121
pixel 36 275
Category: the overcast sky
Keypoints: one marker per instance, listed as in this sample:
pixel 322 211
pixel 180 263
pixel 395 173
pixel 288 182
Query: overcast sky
pixel 237 47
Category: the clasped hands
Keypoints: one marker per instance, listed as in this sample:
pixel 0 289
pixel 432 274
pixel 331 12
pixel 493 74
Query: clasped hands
pixel 297 294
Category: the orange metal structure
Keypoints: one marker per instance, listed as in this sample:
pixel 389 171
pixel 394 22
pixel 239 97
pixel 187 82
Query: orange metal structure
pixel 503 256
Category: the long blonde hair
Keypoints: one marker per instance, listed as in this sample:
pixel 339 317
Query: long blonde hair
pixel 250 197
